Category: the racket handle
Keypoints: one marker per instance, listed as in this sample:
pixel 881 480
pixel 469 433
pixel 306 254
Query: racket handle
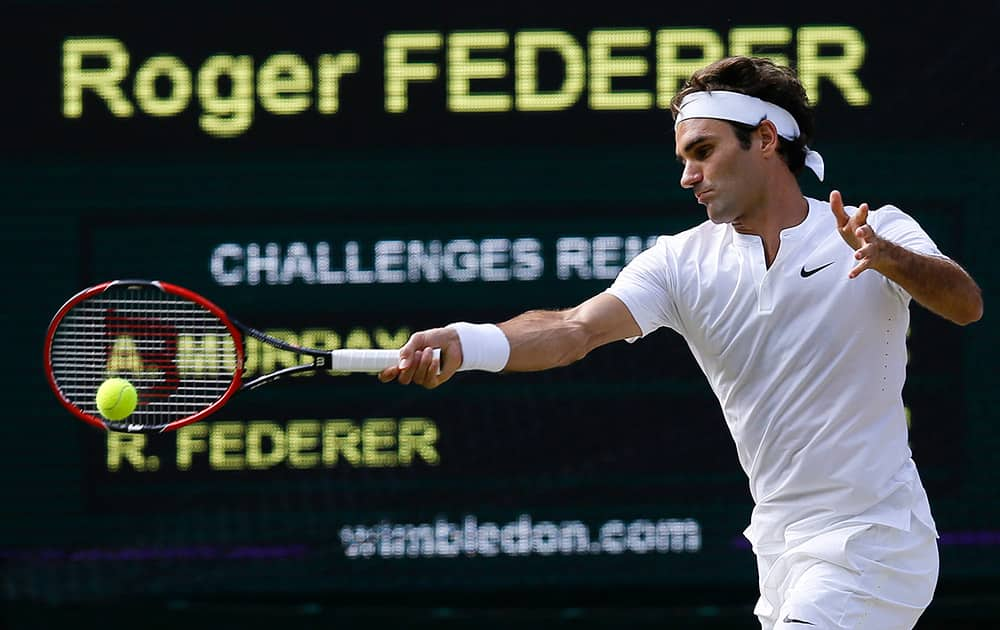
pixel 366 360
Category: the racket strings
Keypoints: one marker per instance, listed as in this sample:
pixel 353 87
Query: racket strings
pixel 180 357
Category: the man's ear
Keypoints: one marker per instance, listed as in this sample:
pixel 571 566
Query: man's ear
pixel 769 140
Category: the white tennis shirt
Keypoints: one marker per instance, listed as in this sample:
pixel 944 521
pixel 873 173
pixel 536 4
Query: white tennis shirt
pixel 807 364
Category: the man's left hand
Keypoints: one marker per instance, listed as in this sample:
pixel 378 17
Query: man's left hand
pixel 868 247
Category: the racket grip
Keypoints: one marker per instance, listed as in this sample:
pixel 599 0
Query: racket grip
pixel 366 360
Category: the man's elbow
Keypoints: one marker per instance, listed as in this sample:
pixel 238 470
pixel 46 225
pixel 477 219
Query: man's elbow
pixel 974 316
pixel 972 310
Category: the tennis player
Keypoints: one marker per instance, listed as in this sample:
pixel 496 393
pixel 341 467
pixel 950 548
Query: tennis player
pixel 796 310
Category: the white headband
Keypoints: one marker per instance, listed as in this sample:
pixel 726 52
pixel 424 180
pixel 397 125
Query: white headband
pixel 748 110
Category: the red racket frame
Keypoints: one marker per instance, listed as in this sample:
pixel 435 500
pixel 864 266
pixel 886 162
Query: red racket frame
pixel 166 288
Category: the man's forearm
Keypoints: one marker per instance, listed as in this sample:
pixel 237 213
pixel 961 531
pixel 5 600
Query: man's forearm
pixel 938 284
pixel 540 340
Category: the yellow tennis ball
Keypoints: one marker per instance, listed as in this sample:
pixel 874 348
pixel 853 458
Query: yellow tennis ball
pixel 116 398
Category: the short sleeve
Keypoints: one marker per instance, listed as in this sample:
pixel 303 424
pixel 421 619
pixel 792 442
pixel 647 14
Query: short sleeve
pixel 646 287
pixel 894 225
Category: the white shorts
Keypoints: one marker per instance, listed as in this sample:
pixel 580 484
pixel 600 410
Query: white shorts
pixel 860 576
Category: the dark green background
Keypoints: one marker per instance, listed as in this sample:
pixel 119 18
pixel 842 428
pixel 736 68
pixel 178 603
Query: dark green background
pixel 927 143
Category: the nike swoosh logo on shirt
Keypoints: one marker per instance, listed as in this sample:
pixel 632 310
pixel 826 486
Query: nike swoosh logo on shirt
pixel 787 619
pixel 806 273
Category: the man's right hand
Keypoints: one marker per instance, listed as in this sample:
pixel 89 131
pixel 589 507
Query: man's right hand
pixel 417 363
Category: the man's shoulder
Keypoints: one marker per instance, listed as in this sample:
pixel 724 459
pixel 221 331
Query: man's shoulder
pixel 887 213
pixel 884 211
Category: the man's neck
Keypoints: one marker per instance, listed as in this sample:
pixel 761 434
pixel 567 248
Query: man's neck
pixel 783 207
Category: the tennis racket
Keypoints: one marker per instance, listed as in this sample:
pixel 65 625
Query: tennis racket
pixel 181 352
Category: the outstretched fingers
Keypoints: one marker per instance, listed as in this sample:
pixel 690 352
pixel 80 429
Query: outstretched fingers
pixel 856 271
pixel 849 225
pixel 850 229
pixel 871 250
pixel 865 233
pixel 856 232
pixel 837 206
pixel 861 216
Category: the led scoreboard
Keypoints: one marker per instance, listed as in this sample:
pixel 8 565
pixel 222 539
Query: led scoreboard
pixel 340 179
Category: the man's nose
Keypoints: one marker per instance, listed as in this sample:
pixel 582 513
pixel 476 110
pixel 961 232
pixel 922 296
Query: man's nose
pixel 690 176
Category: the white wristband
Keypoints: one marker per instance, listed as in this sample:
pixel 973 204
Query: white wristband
pixel 484 346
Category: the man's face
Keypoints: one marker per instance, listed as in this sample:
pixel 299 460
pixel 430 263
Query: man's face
pixel 725 177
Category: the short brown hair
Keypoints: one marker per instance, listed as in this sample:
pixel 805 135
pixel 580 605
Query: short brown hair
pixel 764 79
